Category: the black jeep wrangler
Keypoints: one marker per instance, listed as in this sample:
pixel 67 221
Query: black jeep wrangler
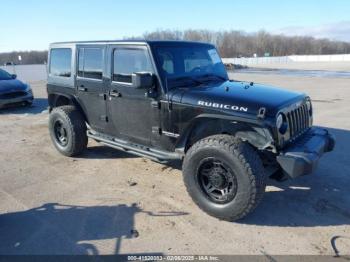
pixel 168 100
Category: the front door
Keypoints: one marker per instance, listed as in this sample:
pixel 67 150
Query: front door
pixel 91 89
pixel 130 111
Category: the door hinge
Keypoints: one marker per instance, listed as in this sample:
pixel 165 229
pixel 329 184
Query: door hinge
pixel 104 118
pixel 104 96
pixel 156 130
pixel 155 104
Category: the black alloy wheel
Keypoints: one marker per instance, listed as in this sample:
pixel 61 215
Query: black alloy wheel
pixel 217 180
pixel 60 133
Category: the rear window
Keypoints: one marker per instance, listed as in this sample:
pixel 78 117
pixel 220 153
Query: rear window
pixel 60 62
pixel 90 63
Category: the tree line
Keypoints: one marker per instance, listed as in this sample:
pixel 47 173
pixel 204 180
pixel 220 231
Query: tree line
pixel 229 43
pixel 27 57
pixel 241 44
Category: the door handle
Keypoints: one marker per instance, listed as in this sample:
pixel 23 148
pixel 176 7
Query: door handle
pixel 115 93
pixel 82 88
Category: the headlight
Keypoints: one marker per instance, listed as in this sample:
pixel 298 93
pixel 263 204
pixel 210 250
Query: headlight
pixel 281 123
pixel 309 106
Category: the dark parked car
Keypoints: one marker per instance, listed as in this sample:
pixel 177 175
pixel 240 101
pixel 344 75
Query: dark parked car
pixel 9 64
pixel 173 100
pixel 13 91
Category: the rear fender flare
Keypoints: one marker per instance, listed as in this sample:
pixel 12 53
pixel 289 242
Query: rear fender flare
pixel 54 98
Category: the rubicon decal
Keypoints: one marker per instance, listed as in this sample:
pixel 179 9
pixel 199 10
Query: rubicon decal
pixel 223 106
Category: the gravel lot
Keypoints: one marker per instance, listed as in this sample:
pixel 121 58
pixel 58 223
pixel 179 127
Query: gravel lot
pixel 107 202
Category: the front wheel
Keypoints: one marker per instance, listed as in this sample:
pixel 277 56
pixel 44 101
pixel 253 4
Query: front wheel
pixel 68 130
pixel 224 176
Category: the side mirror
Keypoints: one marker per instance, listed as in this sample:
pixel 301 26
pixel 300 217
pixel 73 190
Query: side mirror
pixel 14 76
pixel 142 80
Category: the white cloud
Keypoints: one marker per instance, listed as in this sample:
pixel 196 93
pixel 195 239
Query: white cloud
pixel 336 31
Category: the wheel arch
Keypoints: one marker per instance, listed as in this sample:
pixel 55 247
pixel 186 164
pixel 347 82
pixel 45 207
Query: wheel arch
pixel 250 130
pixel 58 99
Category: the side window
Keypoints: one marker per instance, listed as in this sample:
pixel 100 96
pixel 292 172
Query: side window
pixel 60 62
pixel 90 63
pixel 127 61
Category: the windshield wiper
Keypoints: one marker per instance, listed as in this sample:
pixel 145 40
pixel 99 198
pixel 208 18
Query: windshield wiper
pixel 183 80
pixel 213 76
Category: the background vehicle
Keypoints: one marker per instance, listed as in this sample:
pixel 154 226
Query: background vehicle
pixel 13 91
pixel 173 100
pixel 9 64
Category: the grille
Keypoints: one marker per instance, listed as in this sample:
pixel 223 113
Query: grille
pixel 12 95
pixel 298 121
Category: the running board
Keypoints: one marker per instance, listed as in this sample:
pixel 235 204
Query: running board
pixel 136 149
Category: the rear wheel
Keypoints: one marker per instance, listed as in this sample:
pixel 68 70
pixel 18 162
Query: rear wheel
pixel 224 176
pixel 68 130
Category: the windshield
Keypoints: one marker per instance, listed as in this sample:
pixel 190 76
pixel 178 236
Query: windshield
pixel 189 65
pixel 4 75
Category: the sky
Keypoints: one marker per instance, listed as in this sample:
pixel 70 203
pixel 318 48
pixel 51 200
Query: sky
pixel 33 24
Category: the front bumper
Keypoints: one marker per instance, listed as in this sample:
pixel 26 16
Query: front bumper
pixel 17 100
pixel 301 158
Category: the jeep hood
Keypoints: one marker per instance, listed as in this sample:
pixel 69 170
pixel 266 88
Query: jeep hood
pixel 239 96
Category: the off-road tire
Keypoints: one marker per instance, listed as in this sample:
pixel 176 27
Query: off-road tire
pixel 242 159
pixel 74 124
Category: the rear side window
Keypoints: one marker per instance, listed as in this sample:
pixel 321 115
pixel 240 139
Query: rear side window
pixel 128 61
pixel 90 63
pixel 60 62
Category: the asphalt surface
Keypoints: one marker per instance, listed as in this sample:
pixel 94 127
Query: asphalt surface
pixel 109 202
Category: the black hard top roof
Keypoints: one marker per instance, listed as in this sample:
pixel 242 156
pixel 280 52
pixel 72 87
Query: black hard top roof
pixel 149 42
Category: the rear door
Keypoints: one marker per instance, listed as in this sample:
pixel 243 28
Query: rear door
pixel 91 88
pixel 130 111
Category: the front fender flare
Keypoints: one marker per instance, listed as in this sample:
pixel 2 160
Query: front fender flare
pixel 254 131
